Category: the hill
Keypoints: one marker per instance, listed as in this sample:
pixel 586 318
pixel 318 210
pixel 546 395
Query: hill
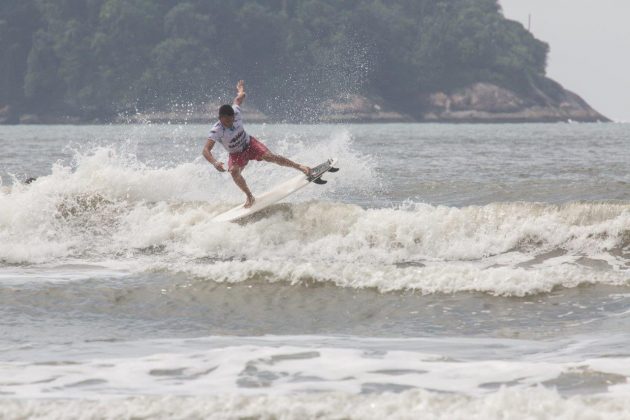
pixel 303 60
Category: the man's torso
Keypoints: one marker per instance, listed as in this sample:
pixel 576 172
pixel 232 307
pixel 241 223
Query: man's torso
pixel 234 139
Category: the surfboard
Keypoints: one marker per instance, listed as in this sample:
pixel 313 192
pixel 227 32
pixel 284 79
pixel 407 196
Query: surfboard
pixel 279 192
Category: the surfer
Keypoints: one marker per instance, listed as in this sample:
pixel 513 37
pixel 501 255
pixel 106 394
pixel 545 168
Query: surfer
pixel 241 146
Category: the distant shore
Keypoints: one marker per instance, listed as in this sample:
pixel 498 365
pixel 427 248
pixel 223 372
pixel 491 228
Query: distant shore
pixel 477 103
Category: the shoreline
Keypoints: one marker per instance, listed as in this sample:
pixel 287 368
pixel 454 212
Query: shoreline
pixel 502 122
pixel 479 103
pixel 331 120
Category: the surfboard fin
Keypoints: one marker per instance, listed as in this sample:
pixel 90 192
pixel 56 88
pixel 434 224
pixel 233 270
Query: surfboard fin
pixel 333 170
pixel 319 181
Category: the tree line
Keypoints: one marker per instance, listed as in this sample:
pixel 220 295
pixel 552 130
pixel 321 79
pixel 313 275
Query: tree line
pixel 96 58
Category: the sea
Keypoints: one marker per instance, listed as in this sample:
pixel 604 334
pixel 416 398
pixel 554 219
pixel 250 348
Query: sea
pixel 445 272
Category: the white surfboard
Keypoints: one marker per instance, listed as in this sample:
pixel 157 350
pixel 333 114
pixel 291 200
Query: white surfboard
pixel 278 192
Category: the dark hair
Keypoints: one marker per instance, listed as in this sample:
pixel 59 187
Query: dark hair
pixel 226 110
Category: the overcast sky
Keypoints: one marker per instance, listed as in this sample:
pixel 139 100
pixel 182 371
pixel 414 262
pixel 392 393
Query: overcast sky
pixel 590 47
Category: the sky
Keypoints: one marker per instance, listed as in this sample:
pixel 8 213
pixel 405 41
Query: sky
pixel 589 44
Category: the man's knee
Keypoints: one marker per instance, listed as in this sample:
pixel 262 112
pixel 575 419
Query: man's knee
pixel 268 156
pixel 235 170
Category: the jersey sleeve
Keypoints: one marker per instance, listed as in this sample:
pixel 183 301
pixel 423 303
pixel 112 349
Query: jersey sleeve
pixel 237 112
pixel 214 134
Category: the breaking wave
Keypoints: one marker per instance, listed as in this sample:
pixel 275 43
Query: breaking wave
pixel 109 206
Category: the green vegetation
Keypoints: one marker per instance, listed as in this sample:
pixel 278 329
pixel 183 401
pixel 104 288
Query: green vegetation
pixel 95 58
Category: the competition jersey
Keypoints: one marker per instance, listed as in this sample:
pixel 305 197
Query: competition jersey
pixel 234 139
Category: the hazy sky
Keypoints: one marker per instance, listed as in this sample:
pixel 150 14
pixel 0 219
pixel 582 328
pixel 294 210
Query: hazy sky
pixel 590 47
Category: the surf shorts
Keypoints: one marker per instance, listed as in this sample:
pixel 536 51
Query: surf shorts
pixel 255 151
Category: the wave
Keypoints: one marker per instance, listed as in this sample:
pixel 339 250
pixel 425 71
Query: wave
pixel 110 206
pixel 506 248
pixel 70 211
pixel 329 231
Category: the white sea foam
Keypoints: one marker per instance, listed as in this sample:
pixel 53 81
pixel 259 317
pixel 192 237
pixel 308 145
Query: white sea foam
pixel 534 403
pixel 317 376
pixel 437 278
pixel 507 249
pixel 207 368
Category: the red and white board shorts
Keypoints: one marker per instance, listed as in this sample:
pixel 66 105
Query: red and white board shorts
pixel 255 151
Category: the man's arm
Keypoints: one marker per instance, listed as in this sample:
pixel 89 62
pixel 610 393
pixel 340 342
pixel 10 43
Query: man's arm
pixel 207 153
pixel 240 92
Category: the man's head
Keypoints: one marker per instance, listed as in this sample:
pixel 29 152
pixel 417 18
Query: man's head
pixel 226 115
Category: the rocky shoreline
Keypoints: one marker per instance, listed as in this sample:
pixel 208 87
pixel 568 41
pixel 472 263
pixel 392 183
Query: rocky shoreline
pixel 485 102
pixel 545 101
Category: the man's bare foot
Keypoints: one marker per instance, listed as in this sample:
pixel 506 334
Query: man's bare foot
pixel 249 202
pixel 305 169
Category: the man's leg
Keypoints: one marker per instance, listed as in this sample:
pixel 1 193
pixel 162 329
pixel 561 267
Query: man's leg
pixel 235 171
pixel 282 161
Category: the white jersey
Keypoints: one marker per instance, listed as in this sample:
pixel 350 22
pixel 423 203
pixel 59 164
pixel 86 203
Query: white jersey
pixel 234 139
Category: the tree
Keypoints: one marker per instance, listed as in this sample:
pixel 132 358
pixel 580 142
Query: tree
pixel 19 19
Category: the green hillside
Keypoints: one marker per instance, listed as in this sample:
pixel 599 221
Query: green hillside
pixel 96 58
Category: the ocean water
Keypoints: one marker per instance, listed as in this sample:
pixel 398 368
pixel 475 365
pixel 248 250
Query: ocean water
pixel 447 271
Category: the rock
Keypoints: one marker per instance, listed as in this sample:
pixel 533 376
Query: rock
pixel 49 119
pixel 358 108
pixel 30 119
pixel 7 115
pixel 202 114
pixel 544 101
pixel 487 98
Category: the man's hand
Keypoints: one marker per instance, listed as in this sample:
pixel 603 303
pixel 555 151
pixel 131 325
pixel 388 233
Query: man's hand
pixel 219 166
pixel 240 92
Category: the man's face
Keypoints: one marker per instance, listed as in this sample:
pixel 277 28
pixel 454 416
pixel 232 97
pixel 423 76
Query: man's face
pixel 227 120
